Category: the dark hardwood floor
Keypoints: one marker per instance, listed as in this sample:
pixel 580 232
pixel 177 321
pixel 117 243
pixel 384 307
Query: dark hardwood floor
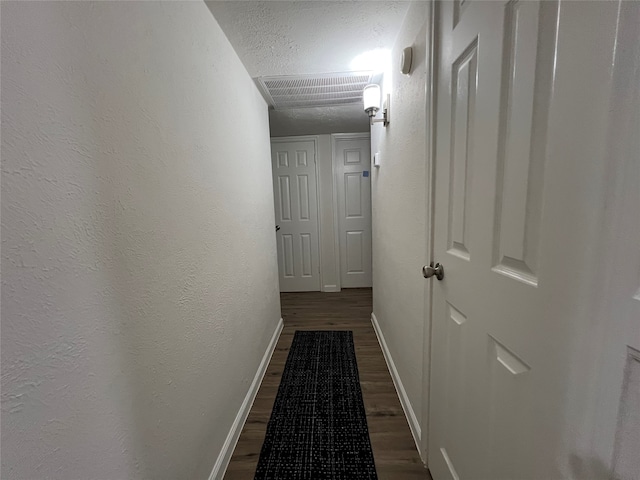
pixel 394 450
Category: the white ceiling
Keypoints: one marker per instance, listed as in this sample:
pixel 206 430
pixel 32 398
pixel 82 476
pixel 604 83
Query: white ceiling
pixel 309 37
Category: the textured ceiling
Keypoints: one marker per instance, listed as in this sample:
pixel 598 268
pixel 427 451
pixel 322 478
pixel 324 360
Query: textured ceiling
pixel 301 37
pixel 309 37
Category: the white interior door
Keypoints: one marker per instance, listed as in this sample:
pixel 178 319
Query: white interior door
pixel 296 207
pixel 352 163
pixel 523 119
pixel 613 345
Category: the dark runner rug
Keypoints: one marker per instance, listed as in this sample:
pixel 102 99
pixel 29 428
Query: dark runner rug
pixel 318 428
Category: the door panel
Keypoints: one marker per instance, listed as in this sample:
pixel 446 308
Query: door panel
pixel 351 161
pixel 303 196
pixel 465 72
pixel 286 241
pixel 296 203
pixel 284 199
pixel 520 170
pixel 519 186
pixel 353 195
pixel 355 250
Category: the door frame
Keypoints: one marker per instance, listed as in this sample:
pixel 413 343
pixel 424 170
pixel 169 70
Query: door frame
pixel 334 175
pixel 314 139
pixel 431 62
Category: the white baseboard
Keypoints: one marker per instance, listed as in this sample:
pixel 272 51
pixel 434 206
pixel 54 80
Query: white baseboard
pixel 412 419
pixel 222 462
pixel 330 288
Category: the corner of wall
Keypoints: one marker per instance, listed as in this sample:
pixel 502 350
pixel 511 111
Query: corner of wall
pixel 407 407
pixel 222 462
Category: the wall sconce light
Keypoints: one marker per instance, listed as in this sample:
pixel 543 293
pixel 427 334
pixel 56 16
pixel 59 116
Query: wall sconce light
pixel 371 99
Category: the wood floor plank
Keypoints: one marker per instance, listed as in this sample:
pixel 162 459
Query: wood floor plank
pixel 394 450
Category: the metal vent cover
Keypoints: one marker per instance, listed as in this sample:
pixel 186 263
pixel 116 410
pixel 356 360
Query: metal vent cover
pixel 299 91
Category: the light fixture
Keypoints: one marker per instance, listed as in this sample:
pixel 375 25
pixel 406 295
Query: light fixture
pixel 378 60
pixel 371 99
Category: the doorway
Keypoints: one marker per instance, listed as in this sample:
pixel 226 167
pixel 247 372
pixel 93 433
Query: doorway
pixel 295 190
pixel 534 324
pixel 352 168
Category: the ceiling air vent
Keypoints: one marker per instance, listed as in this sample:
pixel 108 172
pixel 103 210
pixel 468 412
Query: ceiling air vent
pixel 314 90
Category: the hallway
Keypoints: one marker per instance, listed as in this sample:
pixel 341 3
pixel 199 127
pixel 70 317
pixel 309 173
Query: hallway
pixel 394 450
pixel 493 207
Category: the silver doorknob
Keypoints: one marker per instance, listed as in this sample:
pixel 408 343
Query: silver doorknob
pixel 431 270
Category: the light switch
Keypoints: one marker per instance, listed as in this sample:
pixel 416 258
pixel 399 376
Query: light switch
pixel 376 159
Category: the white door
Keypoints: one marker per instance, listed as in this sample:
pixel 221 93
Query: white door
pixel 523 104
pixel 615 375
pixel 352 163
pixel 296 206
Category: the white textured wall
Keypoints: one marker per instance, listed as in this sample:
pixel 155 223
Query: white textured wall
pixel 139 276
pixel 318 120
pixel 399 215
